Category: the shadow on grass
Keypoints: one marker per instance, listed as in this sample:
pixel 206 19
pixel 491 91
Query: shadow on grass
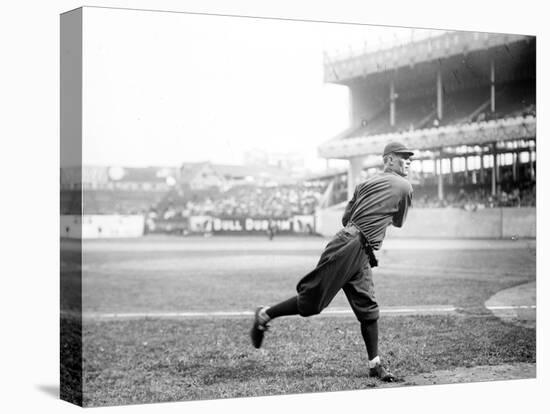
pixel 49 389
pixel 249 372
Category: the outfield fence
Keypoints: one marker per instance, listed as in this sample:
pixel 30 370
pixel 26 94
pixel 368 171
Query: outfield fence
pixel 429 223
pixel 489 223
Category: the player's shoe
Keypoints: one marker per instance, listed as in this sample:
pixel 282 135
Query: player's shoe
pixel 380 372
pixel 258 329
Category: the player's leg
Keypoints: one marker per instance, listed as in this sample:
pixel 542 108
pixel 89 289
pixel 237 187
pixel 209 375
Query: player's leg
pixel 360 294
pixel 263 315
pixel 285 308
pixel 341 260
pixel 369 331
pixel 316 289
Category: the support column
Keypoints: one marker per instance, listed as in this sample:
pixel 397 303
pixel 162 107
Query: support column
pixel 481 169
pixel 466 171
pixel 493 86
pixel 495 169
pixel 354 174
pixel 439 87
pixel 499 162
pixel 531 166
pixel 440 185
pixel 392 103
pixel 515 166
pixel 451 172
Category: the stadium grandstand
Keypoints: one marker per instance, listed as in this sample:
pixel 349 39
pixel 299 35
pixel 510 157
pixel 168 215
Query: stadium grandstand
pixel 169 200
pixel 231 192
pixel 466 101
pixel 114 190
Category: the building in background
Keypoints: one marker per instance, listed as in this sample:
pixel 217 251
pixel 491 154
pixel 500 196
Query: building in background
pixel 292 162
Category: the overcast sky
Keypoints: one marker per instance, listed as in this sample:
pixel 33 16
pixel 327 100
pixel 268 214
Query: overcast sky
pixel 167 88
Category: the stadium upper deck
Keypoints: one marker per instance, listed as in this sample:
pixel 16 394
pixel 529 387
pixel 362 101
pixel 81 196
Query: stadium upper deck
pixel 355 68
pixel 459 88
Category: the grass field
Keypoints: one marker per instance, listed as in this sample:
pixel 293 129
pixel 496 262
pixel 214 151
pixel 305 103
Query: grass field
pixel 161 359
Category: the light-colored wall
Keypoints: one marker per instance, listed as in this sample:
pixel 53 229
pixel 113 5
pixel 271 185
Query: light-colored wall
pixel 519 222
pixel 101 226
pixel 449 223
pixel 329 220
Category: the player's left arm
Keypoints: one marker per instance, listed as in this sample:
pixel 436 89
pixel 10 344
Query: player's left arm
pixel 402 208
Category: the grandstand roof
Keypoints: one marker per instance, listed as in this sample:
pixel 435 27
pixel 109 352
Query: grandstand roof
pixel 344 70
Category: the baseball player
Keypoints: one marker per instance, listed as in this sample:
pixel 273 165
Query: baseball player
pixel 271 229
pixel 348 258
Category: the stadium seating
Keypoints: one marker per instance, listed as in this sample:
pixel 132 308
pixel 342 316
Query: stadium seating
pixel 460 107
pixel 517 99
pixel 463 106
pixel 473 197
pixel 248 200
pixel 119 201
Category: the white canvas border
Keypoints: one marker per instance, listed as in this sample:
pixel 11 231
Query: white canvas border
pixel 30 30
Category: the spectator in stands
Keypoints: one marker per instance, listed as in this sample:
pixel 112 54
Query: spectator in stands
pixel 169 213
pixel 479 198
pixel 286 201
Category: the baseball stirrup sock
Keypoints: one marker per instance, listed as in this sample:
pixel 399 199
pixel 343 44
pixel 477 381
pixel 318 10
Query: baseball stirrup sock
pixel 374 362
pixel 263 316
pixel 285 308
pixel 369 330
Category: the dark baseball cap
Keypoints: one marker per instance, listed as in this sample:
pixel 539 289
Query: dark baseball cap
pixel 397 148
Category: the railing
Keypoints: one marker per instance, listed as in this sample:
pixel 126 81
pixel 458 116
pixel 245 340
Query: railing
pixel 465 134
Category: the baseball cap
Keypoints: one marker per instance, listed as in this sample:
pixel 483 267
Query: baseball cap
pixel 397 148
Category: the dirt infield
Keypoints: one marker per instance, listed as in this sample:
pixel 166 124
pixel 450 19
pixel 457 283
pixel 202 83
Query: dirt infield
pixel 514 305
pixel 503 372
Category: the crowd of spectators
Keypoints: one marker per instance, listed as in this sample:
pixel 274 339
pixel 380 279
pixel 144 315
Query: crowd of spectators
pixel 479 198
pixel 287 201
pixel 247 201
pixel 290 200
pixel 527 110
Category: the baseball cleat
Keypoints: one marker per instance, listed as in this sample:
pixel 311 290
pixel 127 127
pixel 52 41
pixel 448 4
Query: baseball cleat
pixel 380 372
pixel 258 329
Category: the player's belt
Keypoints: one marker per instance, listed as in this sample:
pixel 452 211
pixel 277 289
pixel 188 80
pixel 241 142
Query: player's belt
pixel 352 229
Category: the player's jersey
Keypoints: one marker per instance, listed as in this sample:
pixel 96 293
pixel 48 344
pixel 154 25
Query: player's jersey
pixel 381 200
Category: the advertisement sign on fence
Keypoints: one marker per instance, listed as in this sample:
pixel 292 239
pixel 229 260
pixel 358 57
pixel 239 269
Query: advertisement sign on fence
pixel 209 224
